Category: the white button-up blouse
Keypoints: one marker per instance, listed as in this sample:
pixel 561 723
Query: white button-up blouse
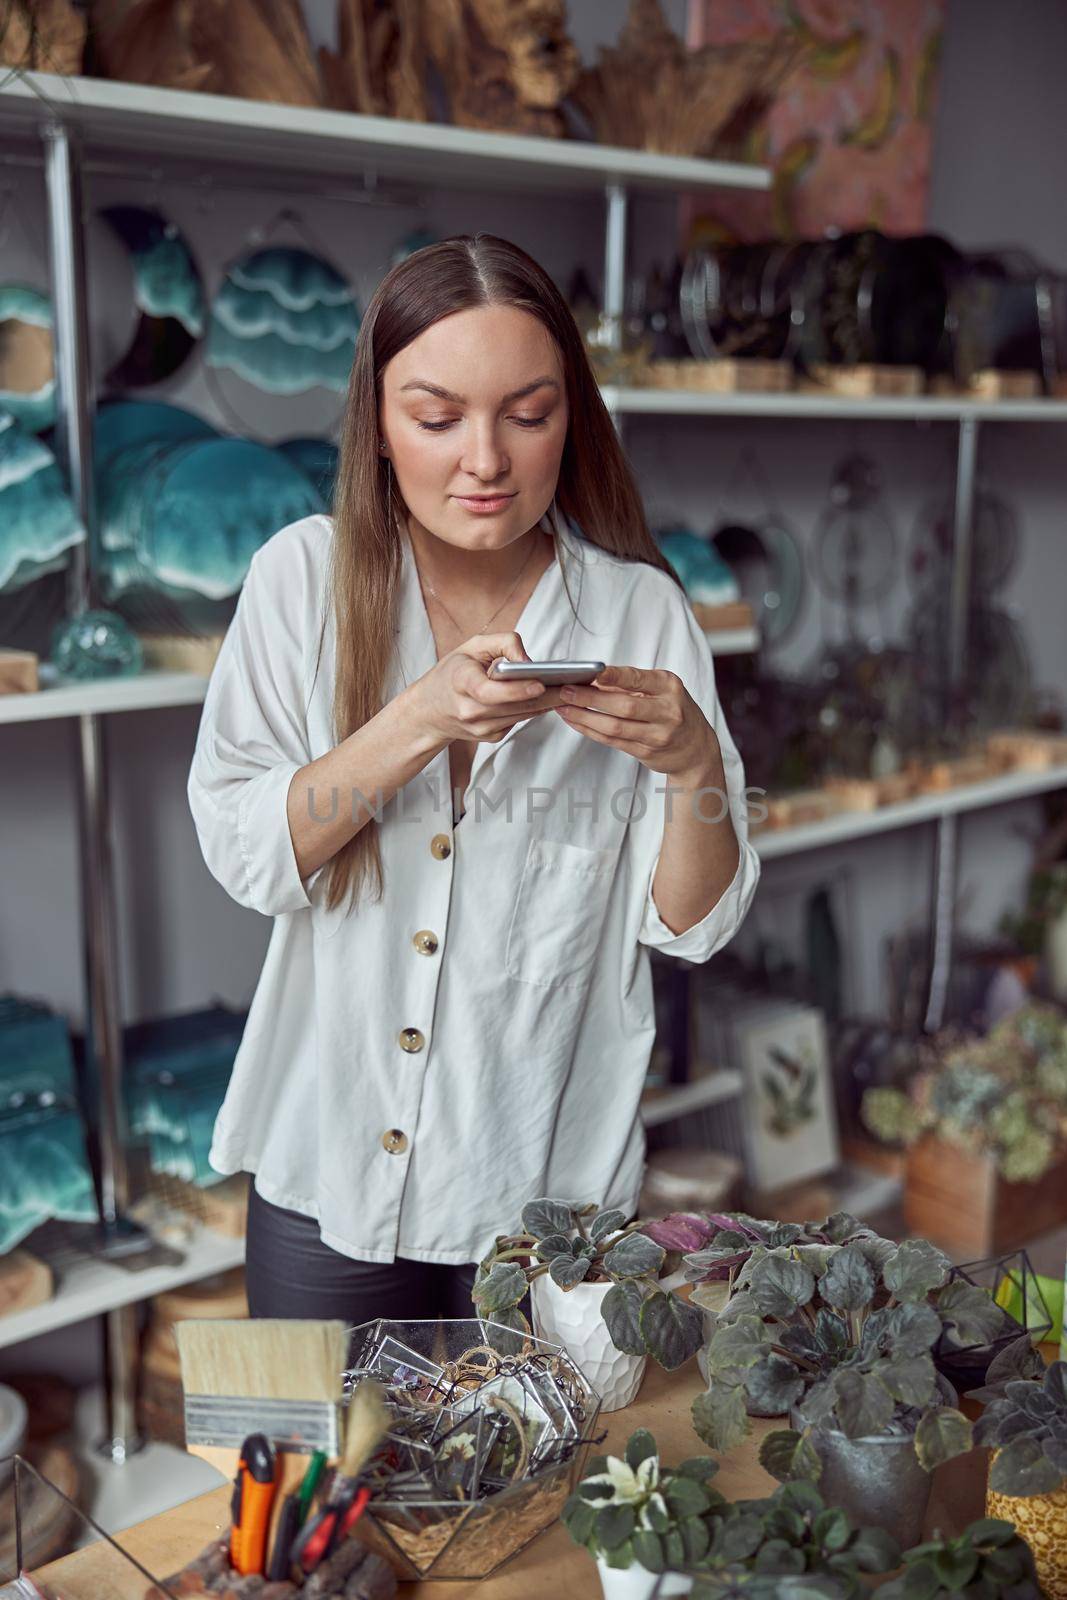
pixel 415 1070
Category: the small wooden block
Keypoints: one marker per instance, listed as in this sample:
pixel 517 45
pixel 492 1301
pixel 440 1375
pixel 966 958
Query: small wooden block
pixel 733 614
pixel 18 672
pixel 895 787
pixel 955 773
pixel 176 653
pixel 803 806
pixel 1026 749
pixel 726 375
pixel 24 1282
pixel 854 794
pixel 994 384
pixel 870 379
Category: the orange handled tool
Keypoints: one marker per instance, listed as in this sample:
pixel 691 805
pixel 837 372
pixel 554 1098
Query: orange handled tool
pixel 253 1491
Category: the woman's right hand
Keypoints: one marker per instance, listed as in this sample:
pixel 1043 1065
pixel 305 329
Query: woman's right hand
pixel 457 699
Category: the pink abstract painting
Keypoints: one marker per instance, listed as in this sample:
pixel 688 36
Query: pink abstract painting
pixel 848 137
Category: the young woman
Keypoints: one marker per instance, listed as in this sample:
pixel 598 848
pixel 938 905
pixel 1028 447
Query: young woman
pixel 455 1010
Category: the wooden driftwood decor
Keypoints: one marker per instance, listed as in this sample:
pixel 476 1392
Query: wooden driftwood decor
pixel 255 49
pixel 42 36
pixel 651 92
pixel 504 64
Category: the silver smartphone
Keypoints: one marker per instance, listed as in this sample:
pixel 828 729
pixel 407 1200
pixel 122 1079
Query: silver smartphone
pixel 547 671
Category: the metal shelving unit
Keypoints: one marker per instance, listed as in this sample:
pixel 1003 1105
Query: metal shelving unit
pixel 133 126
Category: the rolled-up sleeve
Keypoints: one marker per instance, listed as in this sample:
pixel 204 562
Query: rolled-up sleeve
pixel 252 739
pixel 685 650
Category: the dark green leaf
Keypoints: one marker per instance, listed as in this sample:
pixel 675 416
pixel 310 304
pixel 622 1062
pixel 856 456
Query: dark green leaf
pixel 659 1518
pixel 941 1434
pixel 848 1282
pixel 719 1415
pixel 635 1256
pixel 838 1228
pixel 831 1331
pixel 778 1556
pixel 504 1285
pixel 831 1530
pixel 621 1310
pixel 649 1550
pixel 955 1567
pixel 606 1222
pixel 970 1311
pixel 579 1518
pixel 555 1244
pixel 1022 1468
pixel 779 1287
pixel 696 1538
pixel 621 1555
pixel 862 1403
pixel 738 1538
pixel 1056 1384
pixel 910 1379
pixel 542 1217
pixel 774 1384
pixel 672 1329
pixel 686 1497
pixel 874 1550
pixel 738 1344
pixel 674 1548
pixel 786 1454
pixel 614 1525
pixel 905 1330
pixel 640 1446
pixel 507 1331
pixel 568 1271
pixel 915 1269
pixel 1017 1360
pixel 991 1531
pixel 699 1467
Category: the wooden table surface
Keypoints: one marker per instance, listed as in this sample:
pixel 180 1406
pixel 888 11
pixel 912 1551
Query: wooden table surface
pixel 552 1565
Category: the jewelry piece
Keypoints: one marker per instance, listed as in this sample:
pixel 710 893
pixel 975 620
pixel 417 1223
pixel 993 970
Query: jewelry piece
pixel 428 585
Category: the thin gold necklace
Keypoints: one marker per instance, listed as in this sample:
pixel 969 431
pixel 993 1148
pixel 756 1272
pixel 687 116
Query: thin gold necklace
pixel 427 585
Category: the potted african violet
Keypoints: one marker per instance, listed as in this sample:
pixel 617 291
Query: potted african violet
pixel 594 1285
pixel 1025 1425
pixel 658 1531
pixel 988 1559
pixel 841 1337
pixel 637 1518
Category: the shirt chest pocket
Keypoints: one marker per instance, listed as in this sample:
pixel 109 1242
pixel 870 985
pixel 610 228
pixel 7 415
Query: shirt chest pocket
pixel 559 913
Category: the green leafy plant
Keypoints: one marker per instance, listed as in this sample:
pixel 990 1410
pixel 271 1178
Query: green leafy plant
pixel 844 1335
pixel 630 1509
pixel 1046 899
pixel 592 1246
pixel 988 1561
pixel 1024 1421
pixel 668 1520
pixel 1004 1095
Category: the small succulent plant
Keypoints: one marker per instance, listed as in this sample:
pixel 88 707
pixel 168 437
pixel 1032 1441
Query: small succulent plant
pixel 988 1561
pixel 1024 1421
pixel 588 1245
pixel 1005 1094
pixel 844 1335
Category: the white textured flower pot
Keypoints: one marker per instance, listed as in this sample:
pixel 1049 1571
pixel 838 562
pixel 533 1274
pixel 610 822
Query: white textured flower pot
pixel 574 1319
pixel 634 1583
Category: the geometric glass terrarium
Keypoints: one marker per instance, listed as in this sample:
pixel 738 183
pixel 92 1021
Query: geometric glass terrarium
pixel 1016 1288
pixel 489 1434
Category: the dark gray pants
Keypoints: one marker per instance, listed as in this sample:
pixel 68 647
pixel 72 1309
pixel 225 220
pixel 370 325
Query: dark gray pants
pixel 290 1273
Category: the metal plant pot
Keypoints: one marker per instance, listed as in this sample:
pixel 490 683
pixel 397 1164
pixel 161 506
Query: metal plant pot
pixel 877 1481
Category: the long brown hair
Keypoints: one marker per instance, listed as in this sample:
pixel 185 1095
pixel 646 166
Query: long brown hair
pixel 596 488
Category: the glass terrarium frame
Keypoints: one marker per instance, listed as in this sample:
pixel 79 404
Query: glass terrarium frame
pixel 1016 1288
pixel 110 1572
pixel 435 1538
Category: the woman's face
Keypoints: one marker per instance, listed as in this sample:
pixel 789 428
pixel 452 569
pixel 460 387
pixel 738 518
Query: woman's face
pixel 475 407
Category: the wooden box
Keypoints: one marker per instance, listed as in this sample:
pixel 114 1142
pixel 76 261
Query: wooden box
pixel 18 672
pixel 960 1202
pixel 868 379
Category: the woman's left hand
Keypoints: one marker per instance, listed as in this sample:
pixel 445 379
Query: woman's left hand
pixel 650 714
